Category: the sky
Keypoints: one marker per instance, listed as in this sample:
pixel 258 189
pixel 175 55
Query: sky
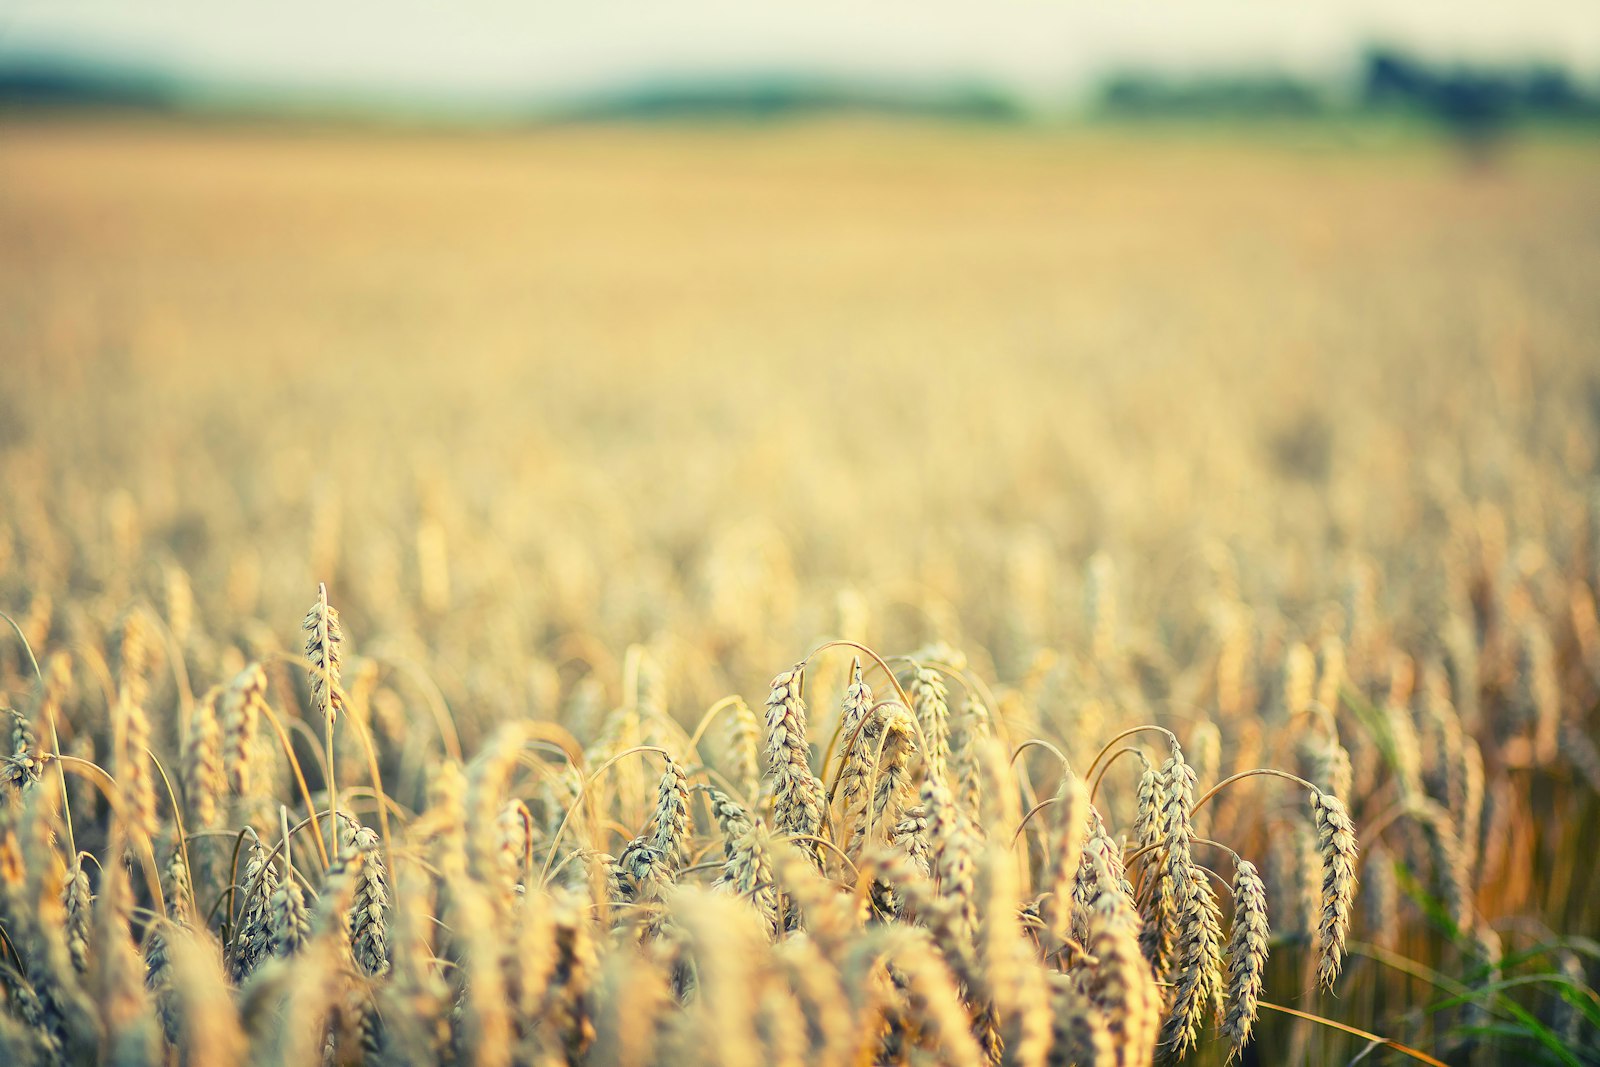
pixel 489 49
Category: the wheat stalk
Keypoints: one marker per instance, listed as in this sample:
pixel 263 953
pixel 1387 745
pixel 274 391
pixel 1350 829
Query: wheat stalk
pixel 1246 956
pixel 1072 824
pixel 242 702
pixel 930 703
pixel 1336 840
pixel 797 795
pixel 1079 1033
pixel 1122 984
pixel 369 908
pixel 742 744
pixel 1197 991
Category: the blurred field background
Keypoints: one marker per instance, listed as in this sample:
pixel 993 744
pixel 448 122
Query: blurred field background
pixel 897 357
pixel 1186 410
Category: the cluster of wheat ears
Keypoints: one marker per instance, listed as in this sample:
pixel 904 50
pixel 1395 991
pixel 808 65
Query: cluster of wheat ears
pixel 891 887
pixel 773 905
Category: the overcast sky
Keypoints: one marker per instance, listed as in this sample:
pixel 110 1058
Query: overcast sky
pixel 489 48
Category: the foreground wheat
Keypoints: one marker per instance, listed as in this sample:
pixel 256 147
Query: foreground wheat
pixel 878 914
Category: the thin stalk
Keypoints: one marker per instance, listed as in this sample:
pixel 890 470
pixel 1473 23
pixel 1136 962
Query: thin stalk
pixel 1094 786
pixel 1171 737
pixel 705 720
pixel 55 737
pixel 1273 772
pixel 1420 1057
pixel 299 775
pixel 583 790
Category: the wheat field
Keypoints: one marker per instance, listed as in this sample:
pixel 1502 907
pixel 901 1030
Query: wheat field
pixel 829 594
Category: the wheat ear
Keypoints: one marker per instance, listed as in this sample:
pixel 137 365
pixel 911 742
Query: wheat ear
pixel 1336 840
pixel 1247 956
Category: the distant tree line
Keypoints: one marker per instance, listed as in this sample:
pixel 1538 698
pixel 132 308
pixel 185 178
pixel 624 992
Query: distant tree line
pixel 1137 94
pixel 1473 100
pixel 778 96
pixel 1476 103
